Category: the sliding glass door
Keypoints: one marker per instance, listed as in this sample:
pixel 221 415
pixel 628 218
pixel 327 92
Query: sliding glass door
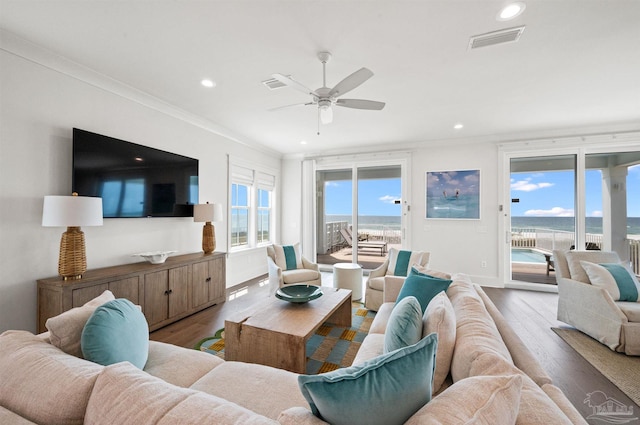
pixel 587 200
pixel 542 214
pixel 359 213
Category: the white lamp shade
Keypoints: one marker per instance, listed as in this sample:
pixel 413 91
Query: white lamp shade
pixel 207 212
pixel 71 211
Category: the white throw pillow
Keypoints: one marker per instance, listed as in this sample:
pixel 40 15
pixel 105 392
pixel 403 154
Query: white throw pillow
pixel 66 329
pixel 478 400
pixel 616 279
pixel 400 261
pixel 441 319
pixel 288 257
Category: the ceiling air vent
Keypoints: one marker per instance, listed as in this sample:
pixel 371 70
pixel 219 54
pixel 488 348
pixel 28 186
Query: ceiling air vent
pixel 496 37
pixel 273 84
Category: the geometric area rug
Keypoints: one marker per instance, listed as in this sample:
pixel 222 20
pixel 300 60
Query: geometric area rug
pixel 330 348
pixel 622 370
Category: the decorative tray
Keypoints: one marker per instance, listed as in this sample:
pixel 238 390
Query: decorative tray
pixel 154 257
pixel 300 293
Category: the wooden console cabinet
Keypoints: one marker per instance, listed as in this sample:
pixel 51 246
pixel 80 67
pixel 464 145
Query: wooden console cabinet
pixel 167 292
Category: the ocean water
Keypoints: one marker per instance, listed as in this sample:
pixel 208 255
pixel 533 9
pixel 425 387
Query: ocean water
pixel 594 224
pixel 379 220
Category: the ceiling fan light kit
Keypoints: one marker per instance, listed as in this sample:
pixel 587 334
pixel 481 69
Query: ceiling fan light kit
pixel 325 98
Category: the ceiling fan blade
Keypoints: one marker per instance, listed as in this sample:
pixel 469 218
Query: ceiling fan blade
pixel 326 115
pixel 360 104
pixel 351 82
pixel 290 106
pixel 294 84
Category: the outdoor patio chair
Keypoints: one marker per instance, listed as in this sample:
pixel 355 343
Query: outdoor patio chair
pixel 381 245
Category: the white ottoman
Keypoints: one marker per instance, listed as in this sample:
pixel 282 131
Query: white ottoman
pixel 348 276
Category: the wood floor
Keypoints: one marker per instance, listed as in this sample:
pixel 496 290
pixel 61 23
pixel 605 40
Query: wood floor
pixel 531 314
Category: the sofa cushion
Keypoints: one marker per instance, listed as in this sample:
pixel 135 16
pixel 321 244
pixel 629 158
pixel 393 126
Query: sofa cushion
pixel 7 417
pixel 404 326
pixel 535 406
pixel 476 332
pixel 615 278
pixel 178 365
pixel 440 318
pixel 423 287
pixel 65 329
pixel 401 379
pixel 300 275
pixel 262 389
pixel 376 283
pixel 42 383
pixel 288 257
pixel 631 310
pixel 117 331
pixel 125 394
pixel 486 400
pixel 432 272
pixel 575 268
pixel 380 320
pixel 372 346
pixel 400 261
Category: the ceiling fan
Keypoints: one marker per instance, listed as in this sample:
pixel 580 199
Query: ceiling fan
pixel 326 97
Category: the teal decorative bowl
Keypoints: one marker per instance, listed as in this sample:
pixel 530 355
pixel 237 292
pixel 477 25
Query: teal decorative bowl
pixel 299 293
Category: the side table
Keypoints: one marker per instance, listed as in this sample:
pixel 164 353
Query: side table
pixel 348 276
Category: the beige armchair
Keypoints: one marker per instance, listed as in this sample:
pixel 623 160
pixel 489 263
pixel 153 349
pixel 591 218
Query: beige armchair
pixel 383 275
pixel 591 308
pixel 309 273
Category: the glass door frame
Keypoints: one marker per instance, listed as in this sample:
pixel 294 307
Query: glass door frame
pixel 579 146
pixel 354 162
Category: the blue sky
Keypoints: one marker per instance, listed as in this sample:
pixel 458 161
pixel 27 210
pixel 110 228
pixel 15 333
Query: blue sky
pixel 375 197
pixel 543 194
pixel 550 194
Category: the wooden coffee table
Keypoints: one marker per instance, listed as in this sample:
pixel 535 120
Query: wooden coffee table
pixel 275 332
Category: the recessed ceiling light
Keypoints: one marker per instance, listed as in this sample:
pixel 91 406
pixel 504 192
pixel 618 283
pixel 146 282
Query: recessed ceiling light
pixel 208 83
pixel 458 126
pixel 303 142
pixel 511 11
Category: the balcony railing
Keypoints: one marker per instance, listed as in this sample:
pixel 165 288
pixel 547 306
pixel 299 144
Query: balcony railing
pixel 333 239
pixel 549 239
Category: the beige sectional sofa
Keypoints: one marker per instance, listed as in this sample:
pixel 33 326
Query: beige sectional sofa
pixel 493 379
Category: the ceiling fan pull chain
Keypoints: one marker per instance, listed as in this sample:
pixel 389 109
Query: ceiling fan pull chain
pixel 318 121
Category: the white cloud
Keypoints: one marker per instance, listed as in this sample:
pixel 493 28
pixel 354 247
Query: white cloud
pixel 596 213
pixel 527 186
pixel 388 199
pixel 553 212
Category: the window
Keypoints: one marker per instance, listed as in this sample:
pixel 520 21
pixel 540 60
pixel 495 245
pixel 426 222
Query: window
pixel 264 216
pixel 239 215
pixel 252 212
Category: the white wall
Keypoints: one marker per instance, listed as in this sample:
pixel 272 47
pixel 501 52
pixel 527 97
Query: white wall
pixel 39 108
pixel 455 245
pixel 459 245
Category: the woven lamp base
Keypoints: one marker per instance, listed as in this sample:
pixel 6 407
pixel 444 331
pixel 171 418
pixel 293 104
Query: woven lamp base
pixel 208 238
pixel 72 262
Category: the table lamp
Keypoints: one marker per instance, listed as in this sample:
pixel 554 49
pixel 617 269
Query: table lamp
pixel 206 213
pixel 72 212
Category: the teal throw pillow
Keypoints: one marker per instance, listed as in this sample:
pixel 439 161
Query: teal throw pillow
pixel 618 280
pixel 404 326
pixel 423 287
pixel 117 331
pixel 385 390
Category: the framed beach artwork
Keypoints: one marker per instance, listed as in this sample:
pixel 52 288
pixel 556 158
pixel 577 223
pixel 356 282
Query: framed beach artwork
pixel 453 194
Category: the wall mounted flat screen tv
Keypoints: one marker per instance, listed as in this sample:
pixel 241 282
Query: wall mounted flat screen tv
pixel 133 180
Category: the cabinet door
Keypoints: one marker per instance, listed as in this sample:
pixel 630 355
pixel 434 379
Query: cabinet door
pixel 156 305
pixel 126 288
pixel 178 290
pixel 82 295
pixel 200 283
pixel 217 282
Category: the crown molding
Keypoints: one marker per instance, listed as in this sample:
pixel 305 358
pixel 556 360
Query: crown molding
pixel 37 54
